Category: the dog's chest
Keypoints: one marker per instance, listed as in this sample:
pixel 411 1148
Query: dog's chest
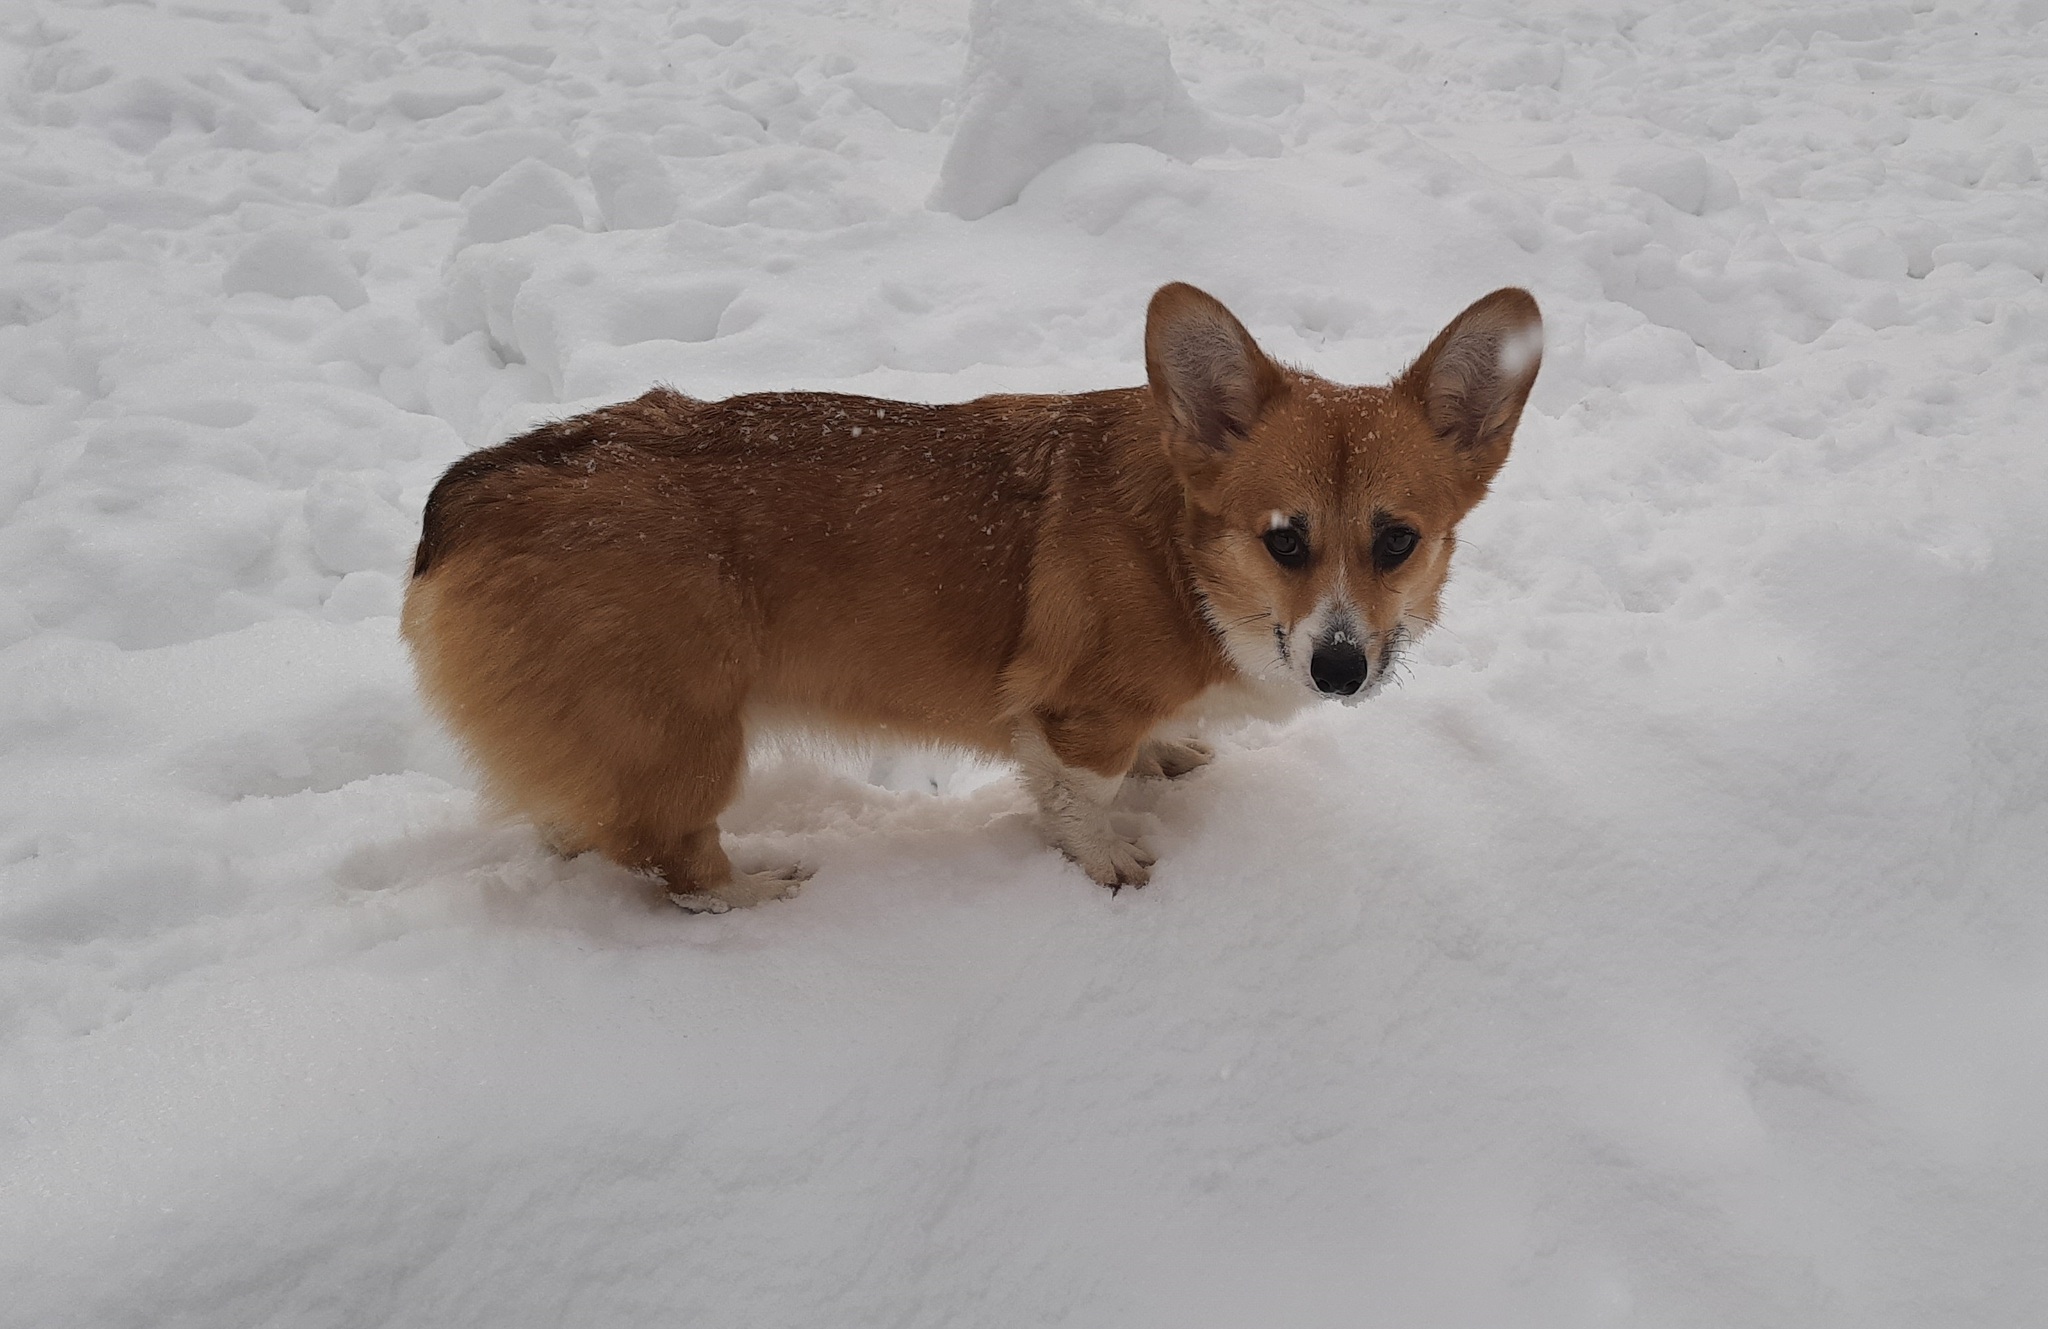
pixel 1227 704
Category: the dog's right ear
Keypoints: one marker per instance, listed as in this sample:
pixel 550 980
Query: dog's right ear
pixel 1211 380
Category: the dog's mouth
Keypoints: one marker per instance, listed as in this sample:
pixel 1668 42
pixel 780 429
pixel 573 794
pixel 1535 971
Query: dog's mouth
pixel 1338 662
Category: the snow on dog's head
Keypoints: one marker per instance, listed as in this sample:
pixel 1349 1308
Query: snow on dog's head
pixel 1323 516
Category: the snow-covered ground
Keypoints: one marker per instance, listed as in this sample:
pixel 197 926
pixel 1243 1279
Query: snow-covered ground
pixel 1671 950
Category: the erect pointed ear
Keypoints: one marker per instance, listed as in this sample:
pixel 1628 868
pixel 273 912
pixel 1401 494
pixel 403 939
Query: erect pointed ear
pixel 1475 377
pixel 1209 377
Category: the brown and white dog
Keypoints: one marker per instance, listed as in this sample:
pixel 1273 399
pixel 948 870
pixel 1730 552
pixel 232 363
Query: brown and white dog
pixel 604 608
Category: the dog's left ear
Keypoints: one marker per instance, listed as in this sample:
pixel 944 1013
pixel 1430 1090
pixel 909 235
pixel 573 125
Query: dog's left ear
pixel 1475 377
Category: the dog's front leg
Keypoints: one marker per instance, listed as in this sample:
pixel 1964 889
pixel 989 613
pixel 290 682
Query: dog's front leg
pixel 1073 766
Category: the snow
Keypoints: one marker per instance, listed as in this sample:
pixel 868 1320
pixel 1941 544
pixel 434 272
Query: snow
pixel 1518 350
pixel 1045 77
pixel 1669 949
pixel 530 197
pixel 289 260
pixel 633 187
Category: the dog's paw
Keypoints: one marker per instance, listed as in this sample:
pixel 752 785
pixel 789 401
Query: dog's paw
pixel 745 890
pixel 1170 758
pixel 562 842
pixel 1115 862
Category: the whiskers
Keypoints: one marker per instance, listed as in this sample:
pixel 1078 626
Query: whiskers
pixel 1395 668
pixel 1237 636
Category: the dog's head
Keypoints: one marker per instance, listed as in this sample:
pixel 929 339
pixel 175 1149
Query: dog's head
pixel 1322 517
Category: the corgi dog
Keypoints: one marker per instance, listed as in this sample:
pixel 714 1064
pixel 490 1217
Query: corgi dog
pixel 602 610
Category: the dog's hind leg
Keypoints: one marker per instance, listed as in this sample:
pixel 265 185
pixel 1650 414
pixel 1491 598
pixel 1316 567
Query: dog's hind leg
pixel 703 892
pixel 1170 758
pixel 667 821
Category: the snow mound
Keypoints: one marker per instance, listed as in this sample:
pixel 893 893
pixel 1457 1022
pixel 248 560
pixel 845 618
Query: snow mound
pixel 293 261
pixel 1105 185
pixel 633 187
pixel 432 93
pixel 355 522
pixel 1046 77
pixel 1685 180
pixel 530 197
pixel 450 167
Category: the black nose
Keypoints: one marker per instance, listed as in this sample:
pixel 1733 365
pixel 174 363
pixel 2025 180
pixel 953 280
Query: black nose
pixel 1338 668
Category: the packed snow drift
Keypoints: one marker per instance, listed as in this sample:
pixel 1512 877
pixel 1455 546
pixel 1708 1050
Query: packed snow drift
pixel 1670 949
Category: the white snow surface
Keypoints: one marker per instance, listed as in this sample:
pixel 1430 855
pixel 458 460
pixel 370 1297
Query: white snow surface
pixel 1671 949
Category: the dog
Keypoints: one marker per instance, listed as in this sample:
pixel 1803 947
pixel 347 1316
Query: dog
pixel 603 609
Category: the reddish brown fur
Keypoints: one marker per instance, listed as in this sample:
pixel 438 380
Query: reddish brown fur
pixel 602 608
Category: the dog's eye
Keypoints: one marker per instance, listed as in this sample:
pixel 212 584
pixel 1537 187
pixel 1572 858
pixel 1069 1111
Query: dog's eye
pixel 1393 545
pixel 1287 546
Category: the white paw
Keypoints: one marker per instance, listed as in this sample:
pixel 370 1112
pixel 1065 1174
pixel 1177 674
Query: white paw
pixel 1170 758
pixel 745 890
pixel 1113 861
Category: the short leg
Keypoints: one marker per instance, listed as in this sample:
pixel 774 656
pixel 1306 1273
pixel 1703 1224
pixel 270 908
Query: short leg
pixel 668 822
pixel 1170 758
pixel 1074 799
